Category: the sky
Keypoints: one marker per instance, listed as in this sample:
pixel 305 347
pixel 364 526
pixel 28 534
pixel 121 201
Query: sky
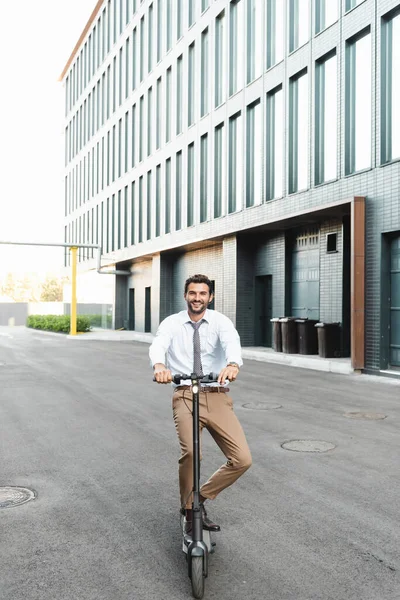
pixel 36 40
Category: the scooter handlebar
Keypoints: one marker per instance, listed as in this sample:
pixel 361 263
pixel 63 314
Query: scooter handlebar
pixel 210 378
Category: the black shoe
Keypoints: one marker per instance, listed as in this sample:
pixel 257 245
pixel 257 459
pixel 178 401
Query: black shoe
pixel 207 523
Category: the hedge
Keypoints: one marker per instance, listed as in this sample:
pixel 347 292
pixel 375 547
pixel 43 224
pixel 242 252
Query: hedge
pixel 58 323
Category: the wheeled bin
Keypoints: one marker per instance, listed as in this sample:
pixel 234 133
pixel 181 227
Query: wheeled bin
pixel 289 335
pixel 276 334
pixel 329 340
pixel 307 337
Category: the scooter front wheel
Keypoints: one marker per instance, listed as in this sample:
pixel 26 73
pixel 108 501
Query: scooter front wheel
pixel 197 577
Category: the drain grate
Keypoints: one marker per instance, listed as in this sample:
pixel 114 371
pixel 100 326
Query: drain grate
pixel 365 415
pixel 261 405
pixel 308 446
pixel 14 496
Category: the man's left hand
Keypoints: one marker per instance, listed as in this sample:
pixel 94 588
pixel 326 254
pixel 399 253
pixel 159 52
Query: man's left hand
pixel 230 372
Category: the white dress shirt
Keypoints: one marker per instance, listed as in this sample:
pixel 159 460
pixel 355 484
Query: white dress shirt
pixel 173 344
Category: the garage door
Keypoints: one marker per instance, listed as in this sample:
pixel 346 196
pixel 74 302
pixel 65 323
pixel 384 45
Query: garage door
pixel 305 275
pixel 395 303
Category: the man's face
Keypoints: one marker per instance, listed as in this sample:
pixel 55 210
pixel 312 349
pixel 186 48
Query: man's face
pixel 197 297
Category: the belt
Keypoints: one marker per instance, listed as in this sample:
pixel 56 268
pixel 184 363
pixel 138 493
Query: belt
pixel 205 389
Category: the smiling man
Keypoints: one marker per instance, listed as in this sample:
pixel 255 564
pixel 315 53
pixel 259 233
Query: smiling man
pixel 199 340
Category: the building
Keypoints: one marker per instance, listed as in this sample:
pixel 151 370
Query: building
pixel 257 141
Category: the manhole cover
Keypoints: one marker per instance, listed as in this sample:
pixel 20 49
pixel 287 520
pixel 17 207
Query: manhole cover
pixel 308 446
pixel 14 496
pixel 365 415
pixel 262 405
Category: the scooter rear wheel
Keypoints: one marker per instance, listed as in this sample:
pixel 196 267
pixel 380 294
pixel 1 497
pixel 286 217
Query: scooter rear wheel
pixel 197 577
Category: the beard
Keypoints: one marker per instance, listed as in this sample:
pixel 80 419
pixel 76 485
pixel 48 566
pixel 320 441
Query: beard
pixel 196 310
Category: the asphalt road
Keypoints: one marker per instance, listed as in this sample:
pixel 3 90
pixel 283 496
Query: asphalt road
pixel 83 425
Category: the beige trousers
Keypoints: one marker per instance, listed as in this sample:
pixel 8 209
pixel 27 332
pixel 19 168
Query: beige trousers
pixel 217 416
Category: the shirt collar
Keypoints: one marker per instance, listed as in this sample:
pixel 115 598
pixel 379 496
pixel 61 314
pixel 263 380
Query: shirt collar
pixel 186 318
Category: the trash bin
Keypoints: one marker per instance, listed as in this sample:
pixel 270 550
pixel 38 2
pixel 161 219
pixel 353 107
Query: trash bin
pixel 276 334
pixel 289 335
pixel 307 337
pixel 329 341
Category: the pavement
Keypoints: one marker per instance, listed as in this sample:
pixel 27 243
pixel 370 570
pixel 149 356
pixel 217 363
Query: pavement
pixel 82 424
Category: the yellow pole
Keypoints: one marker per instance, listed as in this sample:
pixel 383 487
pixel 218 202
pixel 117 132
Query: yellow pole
pixel 74 250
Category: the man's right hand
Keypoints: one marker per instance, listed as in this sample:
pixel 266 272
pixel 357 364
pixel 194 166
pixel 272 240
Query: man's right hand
pixel 162 374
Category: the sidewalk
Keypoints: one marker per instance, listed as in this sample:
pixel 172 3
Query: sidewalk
pixel 314 362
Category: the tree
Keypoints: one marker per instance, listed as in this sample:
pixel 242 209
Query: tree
pixel 51 290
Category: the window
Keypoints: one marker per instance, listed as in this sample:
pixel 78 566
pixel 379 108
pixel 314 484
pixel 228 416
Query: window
pixel 133 138
pixel 119 221
pixel 125 232
pixel 331 242
pixel 204 74
pixel 168 24
pixel 190 185
pixel 204 5
pixel 298 132
pixel 120 147
pixel 390 87
pixel 191 12
pixel 220 59
pixel 236 46
pixel 352 4
pixel 140 209
pixel 326 86
pixel 159 113
pixel 275 31
pixel 218 170
pixel 167 216
pixel 326 13
pixel 120 77
pixel 253 154
pixel 235 183
pixel 178 191
pixel 158 200
pixel 358 104
pixel 133 212
pixel 126 141
pixel 179 18
pixel 149 121
pixel 141 123
pixel 150 26
pixel 203 177
pixel 298 23
pixel 134 36
pixel 159 29
pixel 149 203
pixel 168 91
pixel 179 93
pixel 191 84
pixel 254 39
pixel 142 48
pixel 274 144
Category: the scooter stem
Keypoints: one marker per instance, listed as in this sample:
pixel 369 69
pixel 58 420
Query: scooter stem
pixel 196 515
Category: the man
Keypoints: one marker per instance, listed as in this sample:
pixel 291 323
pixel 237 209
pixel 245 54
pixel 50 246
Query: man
pixel 199 340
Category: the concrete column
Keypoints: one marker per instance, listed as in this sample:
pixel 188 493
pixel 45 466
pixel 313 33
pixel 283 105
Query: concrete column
pixel 229 257
pixel 155 292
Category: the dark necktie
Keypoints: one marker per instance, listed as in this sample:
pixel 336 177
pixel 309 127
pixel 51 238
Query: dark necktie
pixel 197 366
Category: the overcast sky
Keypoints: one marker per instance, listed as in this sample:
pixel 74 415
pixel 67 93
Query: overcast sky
pixel 36 40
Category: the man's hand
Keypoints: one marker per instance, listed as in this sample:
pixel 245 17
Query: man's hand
pixel 229 372
pixel 162 374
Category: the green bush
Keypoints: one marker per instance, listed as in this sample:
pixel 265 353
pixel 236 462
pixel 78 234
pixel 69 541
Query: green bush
pixel 58 323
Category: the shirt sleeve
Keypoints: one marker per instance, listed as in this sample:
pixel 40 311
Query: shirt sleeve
pixel 230 341
pixel 161 343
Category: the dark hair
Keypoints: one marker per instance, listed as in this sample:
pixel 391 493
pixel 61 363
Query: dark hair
pixel 198 279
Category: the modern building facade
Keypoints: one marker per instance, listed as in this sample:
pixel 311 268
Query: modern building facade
pixel 256 141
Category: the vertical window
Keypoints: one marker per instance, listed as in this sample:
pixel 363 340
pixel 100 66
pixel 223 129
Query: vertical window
pixel 326 13
pixel 235 178
pixel 168 92
pixel 254 39
pixel 120 147
pixel 178 191
pixel 133 137
pixel 159 29
pixel 127 66
pixel 179 93
pixel 168 25
pixel 133 213
pixel 167 215
pixel 141 123
pixel 298 132
pixel 120 77
pixel 236 46
pixel 275 32
pixel 113 153
pixel 142 48
pixel 298 23
pixel 114 78
pixel 126 139
pixel 204 4
pixel 140 209
pixel 191 84
pixel 149 121
pixel 352 4
pixel 119 221
pixel 134 36
pixel 150 38
pixel 390 88
pixel 190 185
pixel 125 237
pixel 326 119
pixel 220 59
pixel 218 170
pixel 358 104
pixel 158 200
pixel 253 154
pixel 112 236
pixel 191 12
pixel 203 178
pixel 158 113
pixel 179 18
pixel 108 91
pixel 149 203
pixel 274 144
pixel 204 74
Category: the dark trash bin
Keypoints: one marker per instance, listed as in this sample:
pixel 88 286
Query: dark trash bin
pixel 276 334
pixel 307 337
pixel 329 340
pixel 289 335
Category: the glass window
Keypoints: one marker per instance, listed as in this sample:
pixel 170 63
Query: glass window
pixel 133 136
pixel 119 221
pixel 204 4
pixel 191 85
pixel 299 23
pixel 218 169
pixel 150 26
pixel 326 13
pixel 274 144
pixel 167 215
pixel 168 25
pixel 149 203
pixel 178 191
pixel 149 121
pixel 203 177
pixel 127 66
pixel 159 29
pixel 179 18
pixel 220 59
pixel 358 115
pixel 125 230
pixel 190 185
pixel 168 91
pixel 179 93
pixel 120 147
pixel 352 4
pixel 298 132
pixel 204 74
pixel 159 112
pixel 254 39
pixel 158 200
pixel 275 31
pixel 326 86
pixel 140 209
pixel 390 87
pixel 191 12
pixel 253 154
pixel 133 212
pixel 236 46
pixel 120 77
pixel 235 181
pixel 141 123
pixel 142 48
pixel 126 141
